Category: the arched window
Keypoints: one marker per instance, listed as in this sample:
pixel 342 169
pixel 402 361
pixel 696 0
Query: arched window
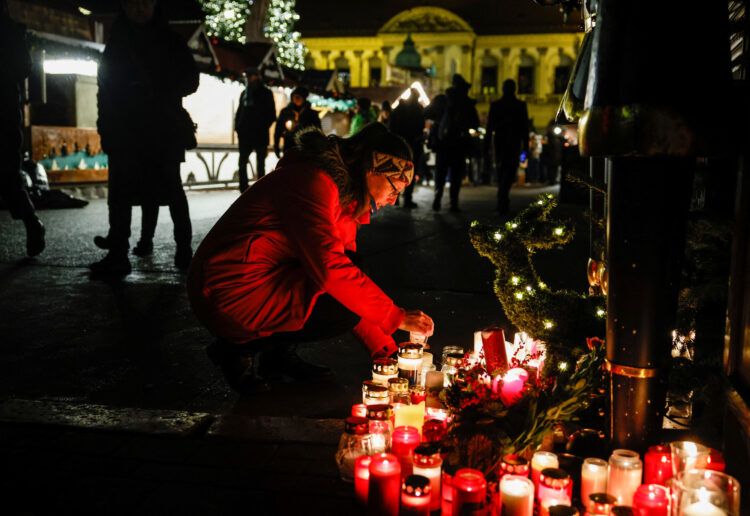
pixel 376 71
pixel 489 75
pixel 526 75
pixel 343 74
pixel 562 73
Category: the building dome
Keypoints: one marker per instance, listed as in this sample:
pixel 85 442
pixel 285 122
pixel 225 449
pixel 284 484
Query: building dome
pixel 409 57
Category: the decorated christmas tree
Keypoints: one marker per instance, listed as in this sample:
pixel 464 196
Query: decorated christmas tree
pixel 226 19
pixel 280 20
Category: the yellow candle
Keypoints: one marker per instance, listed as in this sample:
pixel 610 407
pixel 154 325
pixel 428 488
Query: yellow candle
pixel 410 415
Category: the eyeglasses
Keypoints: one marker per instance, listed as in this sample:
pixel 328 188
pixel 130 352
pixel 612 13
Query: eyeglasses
pixel 396 192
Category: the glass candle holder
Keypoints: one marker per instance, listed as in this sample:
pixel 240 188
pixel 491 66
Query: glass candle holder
pixel 625 474
pixel 417 395
pixel 403 441
pixel 354 442
pixel 416 495
pixel 594 476
pixel 380 426
pixel 428 463
pixel 514 465
pixel 539 461
pixel 651 500
pixel 600 504
pixel 410 362
pixel 516 496
pixel 657 465
pixel 446 487
pixel 686 455
pixel 703 492
pixel 359 410
pixel 384 369
pixel 398 390
pixel 385 485
pixel 362 478
pixel 451 350
pixel 469 487
pixel 374 394
pixel 433 430
pixel 715 461
pixel 451 364
pixel 554 489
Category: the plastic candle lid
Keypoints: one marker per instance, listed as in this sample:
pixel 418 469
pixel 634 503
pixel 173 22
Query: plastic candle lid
pixel 554 478
pixel 385 366
pixel 416 485
pixel 356 425
pixel 410 350
pixel 601 503
pixel 562 510
pixel 379 412
pixel 398 384
pixel 454 359
pixel 424 453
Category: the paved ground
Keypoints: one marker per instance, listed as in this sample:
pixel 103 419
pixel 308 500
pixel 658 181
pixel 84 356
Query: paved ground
pixel 110 403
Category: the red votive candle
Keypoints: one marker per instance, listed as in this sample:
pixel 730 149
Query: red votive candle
pixel 469 488
pixel 513 382
pixel 415 496
pixel 446 488
pixel 359 410
pixel 715 461
pixel 417 394
pixel 362 478
pixel 403 442
pixel 514 465
pixel 554 489
pixel 385 485
pixel 433 430
pixel 651 500
pixel 657 465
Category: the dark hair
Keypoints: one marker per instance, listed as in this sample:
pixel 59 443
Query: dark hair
pixel 364 103
pixel 509 87
pixel 347 160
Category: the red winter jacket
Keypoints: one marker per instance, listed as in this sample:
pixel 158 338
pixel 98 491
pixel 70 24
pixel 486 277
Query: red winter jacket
pixel 275 250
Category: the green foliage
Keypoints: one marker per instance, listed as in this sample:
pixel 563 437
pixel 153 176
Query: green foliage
pixel 563 319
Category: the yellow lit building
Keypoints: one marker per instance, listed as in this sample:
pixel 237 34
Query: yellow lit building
pixel 539 62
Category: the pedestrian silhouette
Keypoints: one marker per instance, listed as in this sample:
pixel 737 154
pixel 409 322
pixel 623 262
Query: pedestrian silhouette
pixel 407 121
pixel 256 112
pixel 145 71
pixel 297 115
pixel 552 154
pixel 16 61
pixel 507 135
pixel 452 142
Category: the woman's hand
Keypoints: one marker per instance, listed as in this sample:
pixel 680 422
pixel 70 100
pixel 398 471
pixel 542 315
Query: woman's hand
pixel 417 321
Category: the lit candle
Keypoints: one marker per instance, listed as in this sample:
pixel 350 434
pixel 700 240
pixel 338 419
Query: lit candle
pixel 715 461
pixel 383 369
pixel 373 393
pixel 417 394
pixel 410 362
pixel 380 427
pixel 513 382
pixel 451 363
pixel 625 473
pixel 539 461
pixel 469 488
pixel 651 500
pixel 686 454
pixel 410 415
pixel 657 465
pixel 416 495
pixel 403 441
pixel 385 485
pixel 427 462
pixel 362 478
pixel 702 509
pixel 554 485
pixel 516 496
pixel 593 478
pixel 359 410
pixel 514 465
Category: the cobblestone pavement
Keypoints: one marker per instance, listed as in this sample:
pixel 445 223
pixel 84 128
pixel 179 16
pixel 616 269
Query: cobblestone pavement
pixel 109 404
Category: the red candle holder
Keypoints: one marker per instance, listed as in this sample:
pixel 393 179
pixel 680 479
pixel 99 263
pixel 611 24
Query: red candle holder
pixel 657 467
pixel 469 488
pixel 433 430
pixel 651 500
pixel 385 485
pixel 555 488
pixel 446 488
pixel 417 394
pixel 514 465
pixel 359 410
pixel 715 461
pixel 415 496
pixel 362 478
pixel 403 442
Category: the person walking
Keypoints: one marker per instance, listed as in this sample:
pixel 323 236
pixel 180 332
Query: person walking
pixel 363 115
pixel 297 115
pixel 507 135
pixel 453 140
pixel 407 121
pixel 256 112
pixel 278 268
pixel 145 71
pixel 552 151
pixel 16 60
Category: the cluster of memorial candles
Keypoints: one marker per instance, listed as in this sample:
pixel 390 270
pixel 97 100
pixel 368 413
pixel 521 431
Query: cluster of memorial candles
pixel 390 452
